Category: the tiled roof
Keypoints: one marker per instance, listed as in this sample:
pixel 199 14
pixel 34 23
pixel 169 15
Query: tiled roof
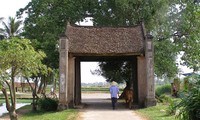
pixel 105 40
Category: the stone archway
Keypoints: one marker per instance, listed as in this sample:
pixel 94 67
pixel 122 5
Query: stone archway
pixel 80 42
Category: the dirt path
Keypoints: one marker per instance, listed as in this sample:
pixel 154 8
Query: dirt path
pixel 98 107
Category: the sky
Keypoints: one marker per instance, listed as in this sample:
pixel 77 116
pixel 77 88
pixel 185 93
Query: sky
pixel 9 8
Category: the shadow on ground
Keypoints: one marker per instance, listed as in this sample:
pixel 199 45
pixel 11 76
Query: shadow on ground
pixel 102 101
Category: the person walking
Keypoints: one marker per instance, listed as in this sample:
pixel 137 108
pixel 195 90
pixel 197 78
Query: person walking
pixel 114 91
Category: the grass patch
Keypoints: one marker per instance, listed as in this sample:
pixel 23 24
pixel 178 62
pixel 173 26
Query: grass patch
pixel 157 112
pixel 18 100
pixel 69 114
pixel 19 95
pixel 94 89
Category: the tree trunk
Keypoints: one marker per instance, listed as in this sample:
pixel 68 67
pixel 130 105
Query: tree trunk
pixel 34 104
pixel 40 86
pixel 6 98
pixel 45 85
pixel 13 114
pixel 10 108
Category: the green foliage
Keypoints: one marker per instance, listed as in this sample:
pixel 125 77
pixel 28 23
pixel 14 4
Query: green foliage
pixel 165 67
pixel 175 26
pixel 118 71
pixel 157 112
pixel 190 103
pixel 163 89
pixel 50 17
pixel 171 109
pixel 46 20
pixel 48 104
pixel 20 55
pixel 186 84
pixel 186 26
pixel 165 98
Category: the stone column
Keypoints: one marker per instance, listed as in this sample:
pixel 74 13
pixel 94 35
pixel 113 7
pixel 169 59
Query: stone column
pixel 150 98
pixel 63 67
pixel 71 80
pixel 142 84
pixel 135 80
pixel 78 82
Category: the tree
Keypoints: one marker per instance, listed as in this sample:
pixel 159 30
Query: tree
pixel 1 30
pixel 50 18
pixel 118 71
pixel 174 27
pixel 188 29
pixel 165 59
pixel 11 29
pixel 17 56
pixel 130 13
pixel 45 22
pixel 168 24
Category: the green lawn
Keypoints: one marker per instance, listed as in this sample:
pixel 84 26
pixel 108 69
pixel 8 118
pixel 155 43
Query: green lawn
pixel 157 112
pixel 18 100
pixel 69 114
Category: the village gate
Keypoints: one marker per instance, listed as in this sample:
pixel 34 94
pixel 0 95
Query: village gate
pixel 81 43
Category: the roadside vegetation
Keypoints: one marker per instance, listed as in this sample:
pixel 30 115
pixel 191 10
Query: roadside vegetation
pixel 157 112
pixel 18 101
pixel 69 114
pixel 184 106
pixel 167 108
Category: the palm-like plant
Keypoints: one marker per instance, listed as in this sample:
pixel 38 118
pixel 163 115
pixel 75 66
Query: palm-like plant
pixel 12 28
pixel 1 30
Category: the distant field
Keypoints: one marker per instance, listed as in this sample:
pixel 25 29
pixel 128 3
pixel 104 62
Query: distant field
pixel 96 89
pixel 27 96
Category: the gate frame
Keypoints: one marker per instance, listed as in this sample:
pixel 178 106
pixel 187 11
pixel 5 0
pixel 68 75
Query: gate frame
pixel 70 80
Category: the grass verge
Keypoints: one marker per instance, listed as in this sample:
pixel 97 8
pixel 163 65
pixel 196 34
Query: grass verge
pixel 18 100
pixel 157 112
pixel 69 114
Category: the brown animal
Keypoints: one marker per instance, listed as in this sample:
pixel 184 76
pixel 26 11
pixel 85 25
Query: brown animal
pixel 128 96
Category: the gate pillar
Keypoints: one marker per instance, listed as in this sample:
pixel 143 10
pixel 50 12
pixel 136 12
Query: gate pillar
pixel 150 97
pixel 63 75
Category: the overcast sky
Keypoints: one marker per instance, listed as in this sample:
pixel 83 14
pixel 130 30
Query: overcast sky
pixel 9 8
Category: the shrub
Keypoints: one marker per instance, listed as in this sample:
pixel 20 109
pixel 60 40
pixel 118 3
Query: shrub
pixel 190 103
pixel 165 99
pixel 164 89
pixel 172 109
pixel 48 104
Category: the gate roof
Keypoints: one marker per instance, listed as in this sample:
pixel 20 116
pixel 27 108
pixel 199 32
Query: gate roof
pixel 105 40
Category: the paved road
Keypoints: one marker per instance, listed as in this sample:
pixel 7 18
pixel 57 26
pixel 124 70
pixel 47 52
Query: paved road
pixel 98 107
